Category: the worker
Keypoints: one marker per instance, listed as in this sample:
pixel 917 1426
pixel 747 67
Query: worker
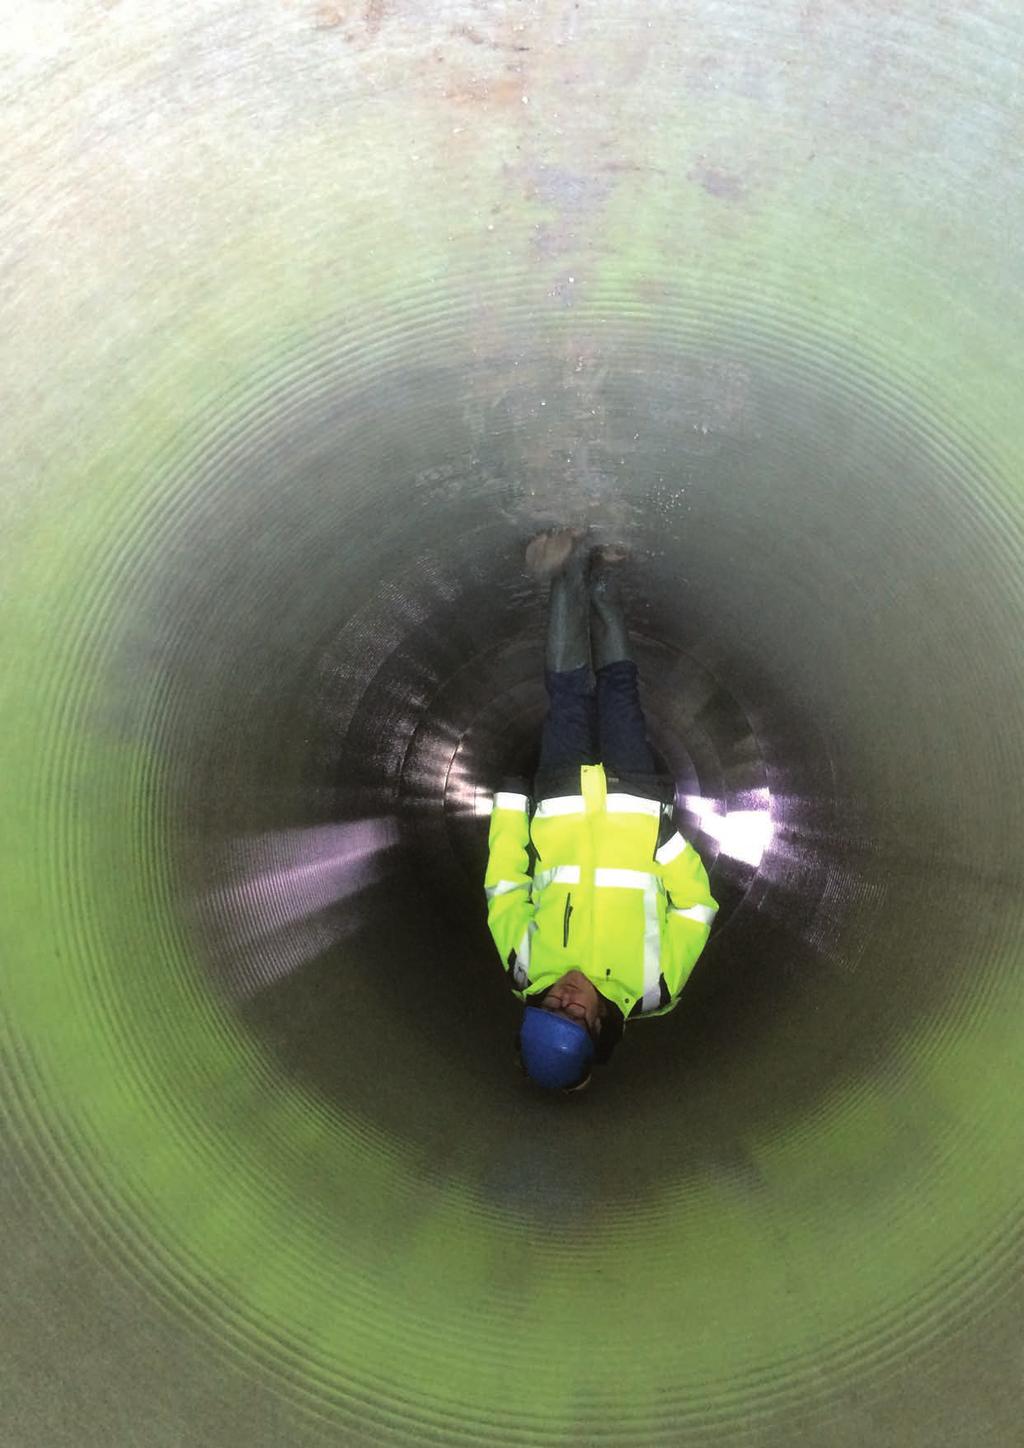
pixel 598 907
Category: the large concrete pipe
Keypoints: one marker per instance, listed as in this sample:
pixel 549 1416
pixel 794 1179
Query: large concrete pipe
pixel 313 313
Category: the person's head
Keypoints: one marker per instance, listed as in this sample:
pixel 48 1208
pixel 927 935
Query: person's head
pixel 565 1030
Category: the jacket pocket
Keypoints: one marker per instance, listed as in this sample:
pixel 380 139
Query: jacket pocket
pixel 565 921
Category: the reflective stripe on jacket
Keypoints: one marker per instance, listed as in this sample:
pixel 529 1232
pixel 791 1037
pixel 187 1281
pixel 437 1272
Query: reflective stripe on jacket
pixel 603 897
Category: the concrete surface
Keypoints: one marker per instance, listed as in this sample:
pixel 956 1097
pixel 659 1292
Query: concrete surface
pixel 313 314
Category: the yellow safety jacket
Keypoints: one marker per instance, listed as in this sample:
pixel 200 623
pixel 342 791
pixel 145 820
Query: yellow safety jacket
pixel 603 897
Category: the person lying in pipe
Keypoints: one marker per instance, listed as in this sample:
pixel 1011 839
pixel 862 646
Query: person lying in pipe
pixel 599 909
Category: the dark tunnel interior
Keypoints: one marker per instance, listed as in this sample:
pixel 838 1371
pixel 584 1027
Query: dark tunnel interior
pixel 317 314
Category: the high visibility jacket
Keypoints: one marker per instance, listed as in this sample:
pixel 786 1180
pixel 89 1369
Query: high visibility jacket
pixel 603 897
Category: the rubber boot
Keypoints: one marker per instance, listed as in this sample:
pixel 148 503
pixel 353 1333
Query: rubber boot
pixel 568 642
pixel 549 552
pixel 609 636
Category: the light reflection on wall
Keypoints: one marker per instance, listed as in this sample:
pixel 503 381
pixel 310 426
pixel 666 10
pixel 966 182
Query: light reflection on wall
pixel 742 834
pixel 278 912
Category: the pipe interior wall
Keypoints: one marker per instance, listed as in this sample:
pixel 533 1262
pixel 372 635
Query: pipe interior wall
pixel 314 314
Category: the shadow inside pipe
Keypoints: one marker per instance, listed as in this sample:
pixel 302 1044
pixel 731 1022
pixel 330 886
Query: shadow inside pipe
pixel 795 645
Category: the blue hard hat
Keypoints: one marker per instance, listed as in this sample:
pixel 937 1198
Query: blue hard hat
pixel 555 1051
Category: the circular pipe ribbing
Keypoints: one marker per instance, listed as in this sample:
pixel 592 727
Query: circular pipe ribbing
pixel 314 313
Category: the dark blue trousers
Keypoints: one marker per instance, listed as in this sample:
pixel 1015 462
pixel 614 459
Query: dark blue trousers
pixel 596 725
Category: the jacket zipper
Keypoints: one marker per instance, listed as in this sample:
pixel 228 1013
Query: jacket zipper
pixel 565 921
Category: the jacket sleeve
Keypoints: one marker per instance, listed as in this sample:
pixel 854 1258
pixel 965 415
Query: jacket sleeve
pixel 690 916
pixel 508 883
